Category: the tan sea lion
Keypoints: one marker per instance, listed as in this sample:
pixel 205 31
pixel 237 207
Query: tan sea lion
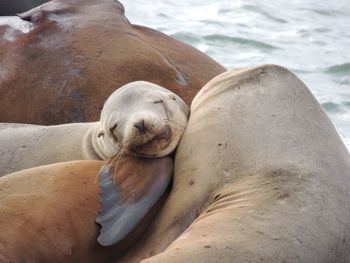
pixel 139 119
pixel 48 213
pixel 84 50
pixel 261 175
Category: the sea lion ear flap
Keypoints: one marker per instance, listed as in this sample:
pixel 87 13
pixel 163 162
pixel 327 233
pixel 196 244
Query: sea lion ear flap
pixel 127 192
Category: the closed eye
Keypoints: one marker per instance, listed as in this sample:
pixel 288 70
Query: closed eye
pixel 112 132
pixel 113 127
pixel 158 101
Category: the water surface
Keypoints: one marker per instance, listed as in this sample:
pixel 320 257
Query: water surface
pixel 310 37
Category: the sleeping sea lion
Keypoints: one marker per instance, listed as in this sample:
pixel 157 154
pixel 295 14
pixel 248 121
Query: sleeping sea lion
pixel 139 119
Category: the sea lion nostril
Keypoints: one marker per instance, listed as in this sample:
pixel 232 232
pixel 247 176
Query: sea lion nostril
pixel 140 126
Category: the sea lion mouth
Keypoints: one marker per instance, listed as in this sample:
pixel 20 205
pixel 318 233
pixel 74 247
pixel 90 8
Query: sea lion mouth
pixel 154 145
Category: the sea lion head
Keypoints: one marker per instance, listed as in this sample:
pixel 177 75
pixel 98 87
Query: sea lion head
pixel 141 119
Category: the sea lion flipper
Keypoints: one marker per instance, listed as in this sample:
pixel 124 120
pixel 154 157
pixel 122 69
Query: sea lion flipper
pixel 128 192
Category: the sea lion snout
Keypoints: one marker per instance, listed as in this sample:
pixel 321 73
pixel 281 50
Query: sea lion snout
pixel 145 127
pixel 140 125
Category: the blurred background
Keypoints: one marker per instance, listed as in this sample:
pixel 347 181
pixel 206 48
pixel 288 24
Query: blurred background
pixel 310 37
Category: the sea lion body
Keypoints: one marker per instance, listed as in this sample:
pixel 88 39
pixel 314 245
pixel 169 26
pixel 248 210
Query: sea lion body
pixel 48 213
pixel 80 67
pixel 24 145
pixel 58 201
pixel 140 119
pixel 261 175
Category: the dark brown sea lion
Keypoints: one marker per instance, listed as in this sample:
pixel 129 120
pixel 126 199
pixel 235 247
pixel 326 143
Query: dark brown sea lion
pixel 77 52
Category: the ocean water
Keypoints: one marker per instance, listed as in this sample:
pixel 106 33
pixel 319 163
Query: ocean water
pixel 310 37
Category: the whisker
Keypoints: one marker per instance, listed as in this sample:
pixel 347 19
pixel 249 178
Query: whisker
pixel 118 157
pixel 110 161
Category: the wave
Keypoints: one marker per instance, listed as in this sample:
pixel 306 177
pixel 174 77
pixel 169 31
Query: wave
pixel 341 69
pixel 241 41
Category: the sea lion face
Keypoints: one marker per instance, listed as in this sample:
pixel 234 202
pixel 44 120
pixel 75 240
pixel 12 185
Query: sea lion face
pixel 142 119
